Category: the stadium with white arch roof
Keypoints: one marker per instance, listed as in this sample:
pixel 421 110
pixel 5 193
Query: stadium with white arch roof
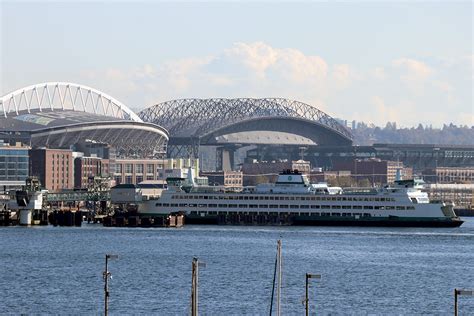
pixel 62 115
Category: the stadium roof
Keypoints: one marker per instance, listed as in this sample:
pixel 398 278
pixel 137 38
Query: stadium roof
pixel 59 115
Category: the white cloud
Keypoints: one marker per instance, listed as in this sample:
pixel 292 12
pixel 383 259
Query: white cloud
pixel 413 69
pixel 405 90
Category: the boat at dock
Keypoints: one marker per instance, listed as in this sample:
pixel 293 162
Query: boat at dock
pixel 293 200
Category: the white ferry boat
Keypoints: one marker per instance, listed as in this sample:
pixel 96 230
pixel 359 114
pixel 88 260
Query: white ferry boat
pixel 293 200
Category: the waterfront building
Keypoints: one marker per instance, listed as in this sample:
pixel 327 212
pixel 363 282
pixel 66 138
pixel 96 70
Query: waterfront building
pixel 228 179
pixel 89 167
pixel 14 167
pixel 376 171
pixel 134 171
pixel 461 194
pixel 53 167
pixel 449 175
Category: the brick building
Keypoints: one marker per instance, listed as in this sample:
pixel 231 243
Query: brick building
pixel 87 167
pixel 53 167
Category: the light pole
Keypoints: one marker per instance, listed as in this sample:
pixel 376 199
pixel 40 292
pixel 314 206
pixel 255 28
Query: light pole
pixel 460 292
pixel 106 276
pixel 194 285
pixel 306 301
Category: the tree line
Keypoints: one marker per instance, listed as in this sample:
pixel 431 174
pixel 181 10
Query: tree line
pixel 450 134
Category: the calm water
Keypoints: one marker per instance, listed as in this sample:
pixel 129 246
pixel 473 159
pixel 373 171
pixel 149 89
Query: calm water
pixel 52 270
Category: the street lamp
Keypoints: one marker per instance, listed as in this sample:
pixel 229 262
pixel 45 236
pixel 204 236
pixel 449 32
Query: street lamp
pixel 106 276
pixel 306 301
pixel 460 292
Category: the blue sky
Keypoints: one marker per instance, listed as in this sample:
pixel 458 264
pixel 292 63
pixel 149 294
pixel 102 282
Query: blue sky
pixel 410 62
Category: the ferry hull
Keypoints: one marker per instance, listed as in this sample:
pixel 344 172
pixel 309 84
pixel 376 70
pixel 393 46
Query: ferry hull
pixel 321 221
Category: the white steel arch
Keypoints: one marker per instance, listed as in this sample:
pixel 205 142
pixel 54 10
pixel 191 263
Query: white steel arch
pixel 64 96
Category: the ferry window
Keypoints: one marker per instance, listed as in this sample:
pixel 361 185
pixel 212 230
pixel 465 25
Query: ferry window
pixel 174 205
pixel 183 205
pixel 246 198
pixel 222 213
pixel 223 205
pixel 166 204
pixel 294 206
pixel 382 199
pixel 313 198
pixel 263 206
pixel 273 206
pixel 344 199
pixel 325 214
pixel 292 198
pixel 192 205
pixel 202 205
pixel 346 207
pixel 241 197
pixel 366 215
pixel 400 208
pixel 206 197
pixel 333 199
pixel 243 205
pixel 283 206
pixel 287 198
pixel 389 207
pixel 314 206
pixel 315 214
pixel 338 198
pixel 326 207
pixel 158 204
pixel 411 208
pixel 253 206
pixel 304 206
pixel 336 207
pixel 193 212
pixel 368 207
pixel 349 198
pixel 357 207
pixel 266 198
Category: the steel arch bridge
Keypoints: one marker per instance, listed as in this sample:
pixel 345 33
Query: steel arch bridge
pixel 194 122
pixel 64 96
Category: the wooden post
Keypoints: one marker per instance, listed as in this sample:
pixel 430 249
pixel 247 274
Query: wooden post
pixel 106 286
pixel 195 285
pixel 279 278
pixel 106 276
pixel 306 301
pixel 455 302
